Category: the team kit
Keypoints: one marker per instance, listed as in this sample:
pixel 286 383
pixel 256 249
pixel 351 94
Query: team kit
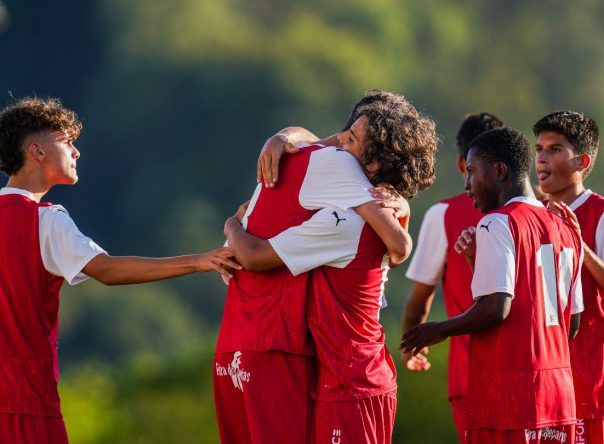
pixel 301 354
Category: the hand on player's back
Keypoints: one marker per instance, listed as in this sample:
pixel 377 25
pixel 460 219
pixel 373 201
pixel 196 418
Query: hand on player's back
pixel 389 198
pixel 567 214
pixel 268 161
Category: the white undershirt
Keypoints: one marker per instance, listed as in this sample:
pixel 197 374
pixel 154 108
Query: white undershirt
pixel 64 249
pixel 428 263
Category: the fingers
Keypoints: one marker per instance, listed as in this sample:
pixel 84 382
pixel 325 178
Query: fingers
pixel 267 173
pixel 226 262
pixel 290 147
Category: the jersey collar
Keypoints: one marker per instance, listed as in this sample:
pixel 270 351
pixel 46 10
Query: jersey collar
pixel 526 200
pixel 10 190
pixel 580 200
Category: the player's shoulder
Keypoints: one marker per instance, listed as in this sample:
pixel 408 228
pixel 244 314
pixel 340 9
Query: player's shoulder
pixel 596 202
pixel 52 214
pixel 497 219
pixel 330 152
pixel 458 200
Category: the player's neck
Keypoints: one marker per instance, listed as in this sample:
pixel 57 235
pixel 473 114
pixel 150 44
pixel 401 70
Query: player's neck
pixel 568 194
pixel 512 190
pixel 33 183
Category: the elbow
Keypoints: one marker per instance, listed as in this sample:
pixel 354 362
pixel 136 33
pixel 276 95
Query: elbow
pixel 400 251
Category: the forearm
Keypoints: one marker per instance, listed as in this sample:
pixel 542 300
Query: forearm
pixel 119 270
pixel 485 313
pixel 253 253
pixel 418 306
pixel 594 264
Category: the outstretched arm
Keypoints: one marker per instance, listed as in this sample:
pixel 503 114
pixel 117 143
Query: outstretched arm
pixel 119 270
pixel 487 311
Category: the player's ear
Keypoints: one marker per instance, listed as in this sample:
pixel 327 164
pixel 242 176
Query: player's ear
pixel 583 162
pixel 35 150
pixel 501 171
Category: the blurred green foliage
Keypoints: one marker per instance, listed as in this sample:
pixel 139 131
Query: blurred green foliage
pixel 177 98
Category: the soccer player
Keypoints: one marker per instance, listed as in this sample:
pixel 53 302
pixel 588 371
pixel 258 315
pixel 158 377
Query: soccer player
pixel 435 260
pixel 527 292
pixel 567 146
pixel 267 315
pixel 40 248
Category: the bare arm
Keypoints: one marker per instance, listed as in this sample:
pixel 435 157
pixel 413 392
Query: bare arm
pixel 396 238
pixel 255 254
pixel 416 312
pixel 284 141
pixel 594 264
pixel 120 270
pixel 487 311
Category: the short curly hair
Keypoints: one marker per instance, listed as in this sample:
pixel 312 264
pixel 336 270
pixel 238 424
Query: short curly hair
pixel 505 145
pixel 27 116
pixel 579 129
pixel 474 125
pixel 402 142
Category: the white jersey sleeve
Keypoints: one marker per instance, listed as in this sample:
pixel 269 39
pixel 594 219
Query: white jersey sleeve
pixel 331 237
pixel 65 250
pixel 576 301
pixel 428 262
pixel 495 262
pixel 334 178
pixel 600 238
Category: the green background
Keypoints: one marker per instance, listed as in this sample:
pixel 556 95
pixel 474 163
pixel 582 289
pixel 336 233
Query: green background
pixel 177 98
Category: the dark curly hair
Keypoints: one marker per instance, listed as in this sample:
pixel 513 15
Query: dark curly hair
pixel 401 141
pixel 28 116
pixel 371 97
pixel 505 145
pixel 579 129
pixel 473 126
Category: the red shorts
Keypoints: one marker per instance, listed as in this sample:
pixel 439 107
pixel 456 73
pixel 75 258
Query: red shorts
pixel 30 429
pixel 589 431
pixel 458 406
pixel 263 397
pixel 546 435
pixel 362 421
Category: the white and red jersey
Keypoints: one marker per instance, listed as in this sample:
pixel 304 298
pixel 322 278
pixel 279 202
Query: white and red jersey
pixel 520 375
pixel 268 311
pixel 41 246
pixel 344 303
pixel 436 260
pixel 587 349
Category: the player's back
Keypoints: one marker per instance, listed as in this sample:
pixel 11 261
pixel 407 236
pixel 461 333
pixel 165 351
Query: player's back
pixel 587 349
pixel 267 311
pixel 520 373
pixel 29 302
pixel 344 307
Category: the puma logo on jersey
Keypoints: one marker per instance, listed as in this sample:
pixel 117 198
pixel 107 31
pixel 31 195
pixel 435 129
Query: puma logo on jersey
pixel 486 227
pixel 338 220
pixel 340 149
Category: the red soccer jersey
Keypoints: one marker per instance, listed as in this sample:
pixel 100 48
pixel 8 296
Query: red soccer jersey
pixel 346 295
pixel 436 260
pixel 267 311
pixel 29 303
pixel 587 349
pixel 520 374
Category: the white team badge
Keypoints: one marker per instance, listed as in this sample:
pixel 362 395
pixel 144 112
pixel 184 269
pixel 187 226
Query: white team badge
pixel 235 371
